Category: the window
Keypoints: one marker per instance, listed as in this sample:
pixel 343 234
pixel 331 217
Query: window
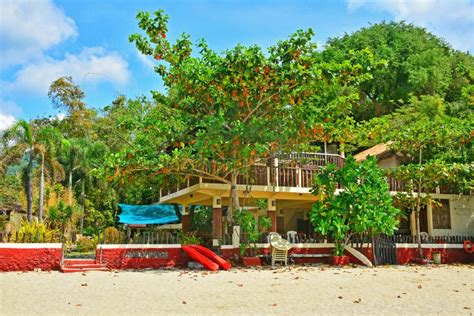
pixel 441 215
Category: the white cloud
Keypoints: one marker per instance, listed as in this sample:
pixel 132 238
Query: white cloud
pixel 6 120
pixel 146 60
pixel 451 19
pixel 29 27
pixel 94 65
pixel 8 110
pixel 8 106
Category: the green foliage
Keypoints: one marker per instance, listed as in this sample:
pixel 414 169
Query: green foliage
pixel 201 220
pixel 223 112
pixel 362 205
pixel 35 232
pixel 190 239
pixel 62 215
pixel 86 244
pixel 111 235
pixel 250 230
pixel 96 221
pixel 418 63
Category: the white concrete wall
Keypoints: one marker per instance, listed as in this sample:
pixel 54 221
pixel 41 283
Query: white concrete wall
pixel 462 217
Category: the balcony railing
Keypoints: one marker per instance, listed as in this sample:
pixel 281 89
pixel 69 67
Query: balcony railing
pixel 401 186
pixel 296 170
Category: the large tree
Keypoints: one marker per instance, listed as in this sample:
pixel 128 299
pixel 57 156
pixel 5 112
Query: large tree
pixel 239 107
pixel 418 63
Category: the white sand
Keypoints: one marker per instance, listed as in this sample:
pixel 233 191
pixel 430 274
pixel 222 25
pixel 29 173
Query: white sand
pixel 446 290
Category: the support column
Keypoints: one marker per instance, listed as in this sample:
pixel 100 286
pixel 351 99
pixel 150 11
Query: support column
pixel 216 220
pixel 413 223
pixel 271 213
pixel 185 220
pixel 429 219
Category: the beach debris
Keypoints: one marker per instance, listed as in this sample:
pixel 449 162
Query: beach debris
pixel 84 274
pixel 456 291
pixel 467 307
pixel 419 286
pixel 273 305
pixel 357 301
pixel 398 296
pixel 339 297
pixel 184 302
pixel 78 305
pixel 240 285
pixel 83 284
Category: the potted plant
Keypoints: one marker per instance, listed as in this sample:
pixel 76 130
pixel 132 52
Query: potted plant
pixel 250 235
pixel 338 258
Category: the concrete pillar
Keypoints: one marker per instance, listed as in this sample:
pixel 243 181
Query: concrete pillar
pixel 216 218
pixel 271 213
pixel 429 219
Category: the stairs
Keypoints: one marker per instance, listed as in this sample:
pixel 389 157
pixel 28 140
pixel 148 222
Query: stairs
pixel 82 265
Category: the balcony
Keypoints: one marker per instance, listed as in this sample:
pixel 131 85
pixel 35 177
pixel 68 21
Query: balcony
pixel 295 170
pixel 289 170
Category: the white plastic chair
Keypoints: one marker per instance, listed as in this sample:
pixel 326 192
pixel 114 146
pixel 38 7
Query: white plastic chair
pixel 291 236
pixel 280 249
pixel 270 235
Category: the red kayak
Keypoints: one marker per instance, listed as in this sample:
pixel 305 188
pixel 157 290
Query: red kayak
pixel 195 255
pixel 211 255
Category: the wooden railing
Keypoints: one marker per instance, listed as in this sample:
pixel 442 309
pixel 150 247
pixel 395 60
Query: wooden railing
pixel 295 170
pixel 400 186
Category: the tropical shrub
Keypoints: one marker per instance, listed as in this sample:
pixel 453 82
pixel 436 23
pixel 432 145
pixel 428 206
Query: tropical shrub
pixel 190 239
pixel 35 232
pixel 86 244
pixel 111 235
pixel 250 231
pixel 363 205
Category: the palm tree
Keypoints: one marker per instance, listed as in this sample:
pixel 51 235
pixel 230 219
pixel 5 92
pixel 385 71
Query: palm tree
pixel 27 142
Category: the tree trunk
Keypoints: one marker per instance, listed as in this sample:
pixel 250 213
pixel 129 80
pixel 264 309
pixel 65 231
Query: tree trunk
pixel 70 188
pixel 418 209
pixel 418 235
pixel 177 211
pixel 83 203
pixel 234 203
pixel 29 187
pixel 41 193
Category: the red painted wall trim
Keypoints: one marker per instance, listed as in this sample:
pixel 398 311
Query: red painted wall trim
pixel 28 257
pixel 123 258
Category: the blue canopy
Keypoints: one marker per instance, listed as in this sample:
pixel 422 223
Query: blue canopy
pixel 156 214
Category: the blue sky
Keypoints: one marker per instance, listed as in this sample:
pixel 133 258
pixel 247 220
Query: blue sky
pixel 42 40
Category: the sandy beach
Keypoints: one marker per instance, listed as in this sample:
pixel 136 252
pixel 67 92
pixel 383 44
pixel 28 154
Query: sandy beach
pixel 396 290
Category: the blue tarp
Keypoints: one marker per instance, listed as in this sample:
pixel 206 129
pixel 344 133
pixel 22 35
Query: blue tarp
pixel 147 214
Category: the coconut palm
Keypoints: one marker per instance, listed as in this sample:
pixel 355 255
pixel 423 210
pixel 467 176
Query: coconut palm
pixel 26 144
